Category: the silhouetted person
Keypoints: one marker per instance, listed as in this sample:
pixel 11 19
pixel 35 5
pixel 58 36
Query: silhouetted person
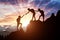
pixel 42 14
pixel 18 21
pixel 33 12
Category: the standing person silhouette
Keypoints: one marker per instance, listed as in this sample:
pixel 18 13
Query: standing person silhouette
pixel 42 14
pixel 33 12
pixel 18 21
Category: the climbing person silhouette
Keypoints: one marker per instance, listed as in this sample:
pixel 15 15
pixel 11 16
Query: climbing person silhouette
pixel 18 21
pixel 33 12
pixel 42 14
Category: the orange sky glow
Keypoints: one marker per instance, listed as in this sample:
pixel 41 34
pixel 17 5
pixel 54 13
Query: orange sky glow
pixel 12 12
pixel 9 18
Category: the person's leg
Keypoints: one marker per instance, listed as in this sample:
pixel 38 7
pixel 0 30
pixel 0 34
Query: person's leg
pixel 39 17
pixel 20 25
pixel 17 25
pixel 32 17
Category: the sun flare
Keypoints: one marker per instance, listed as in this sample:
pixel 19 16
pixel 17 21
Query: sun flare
pixel 25 24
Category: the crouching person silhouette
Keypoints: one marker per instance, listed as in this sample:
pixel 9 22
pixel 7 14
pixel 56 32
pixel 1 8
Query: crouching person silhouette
pixel 42 14
pixel 18 21
pixel 33 12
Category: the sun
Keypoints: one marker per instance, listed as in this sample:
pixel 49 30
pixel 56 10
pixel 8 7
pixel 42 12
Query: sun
pixel 26 20
pixel 25 24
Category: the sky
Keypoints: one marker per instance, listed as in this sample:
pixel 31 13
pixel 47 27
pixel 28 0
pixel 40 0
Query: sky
pixel 11 9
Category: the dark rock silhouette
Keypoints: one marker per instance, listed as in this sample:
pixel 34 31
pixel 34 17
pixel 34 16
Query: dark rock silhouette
pixel 38 30
pixel 58 17
pixel 50 25
pixel 35 30
pixel 1 37
pixel 58 23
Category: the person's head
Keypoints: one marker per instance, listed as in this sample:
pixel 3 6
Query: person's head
pixel 39 9
pixel 29 9
pixel 19 16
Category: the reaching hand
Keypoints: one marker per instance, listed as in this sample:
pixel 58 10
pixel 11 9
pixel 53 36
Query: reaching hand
pixel 36 10
pixel 25 14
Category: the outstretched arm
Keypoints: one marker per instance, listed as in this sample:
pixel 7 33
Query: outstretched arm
pixel 36 10
pixel 25 14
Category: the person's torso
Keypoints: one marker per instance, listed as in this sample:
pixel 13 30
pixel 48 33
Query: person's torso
pixel 32 11
pixel 42 12
pixel 18 20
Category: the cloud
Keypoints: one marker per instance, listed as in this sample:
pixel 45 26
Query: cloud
pixel 6 9
pixel 47 3
pixel 14 2
pixel 53 4
pixel 9 18
pixel 9 1
pixel 50 6
pixel 41 2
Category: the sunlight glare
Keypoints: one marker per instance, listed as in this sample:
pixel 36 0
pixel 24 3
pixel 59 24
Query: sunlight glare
pixel 25 23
